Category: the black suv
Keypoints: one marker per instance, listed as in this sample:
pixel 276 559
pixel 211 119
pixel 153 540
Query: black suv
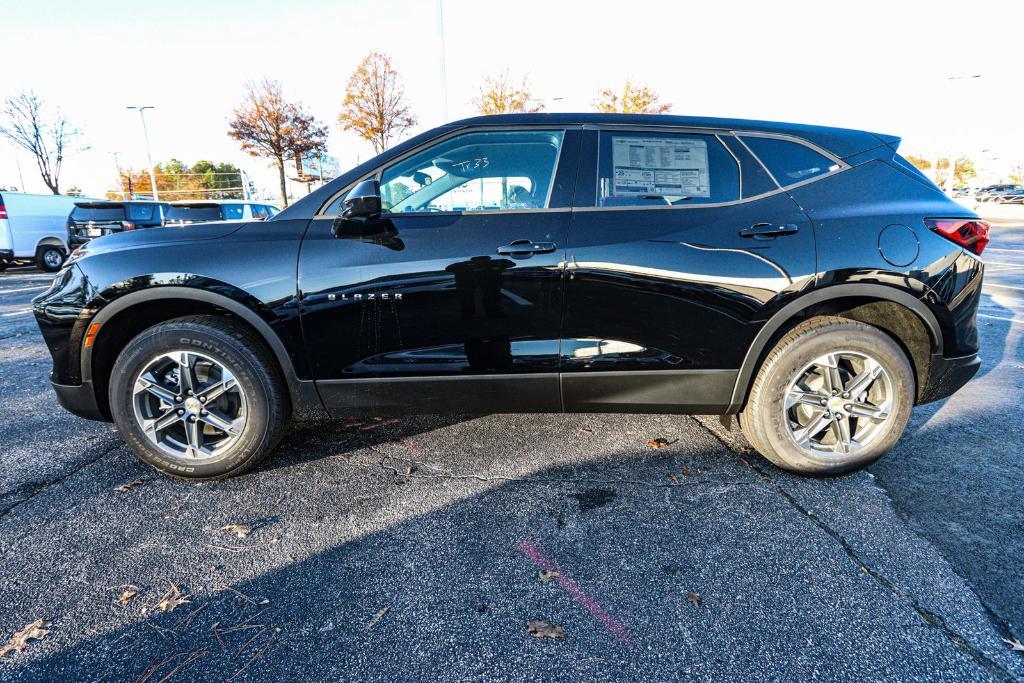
pixel 808 279
pixel 89 220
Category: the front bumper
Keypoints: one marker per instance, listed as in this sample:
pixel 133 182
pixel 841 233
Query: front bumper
pixel 947 375
pixel 79 399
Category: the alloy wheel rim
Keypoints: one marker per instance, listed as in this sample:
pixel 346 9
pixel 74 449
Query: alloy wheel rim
pixel 838 404
pixel 189 405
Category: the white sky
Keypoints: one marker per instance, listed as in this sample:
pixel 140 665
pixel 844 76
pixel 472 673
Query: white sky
pixel 881 66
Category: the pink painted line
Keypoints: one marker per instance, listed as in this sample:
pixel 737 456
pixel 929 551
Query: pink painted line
pixel 531 551
pixel 412 447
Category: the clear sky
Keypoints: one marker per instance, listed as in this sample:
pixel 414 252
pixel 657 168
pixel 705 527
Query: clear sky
pixel 882 66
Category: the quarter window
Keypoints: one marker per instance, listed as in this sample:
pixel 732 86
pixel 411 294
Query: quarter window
pixel 475 172
pixel 667 169
pixel 789 162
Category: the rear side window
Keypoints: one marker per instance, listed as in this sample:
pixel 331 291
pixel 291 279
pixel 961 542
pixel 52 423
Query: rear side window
pixel 789 162
pixel 755 180
pixel 664 169
pixel 193 213
pixel 259 211
pixel 140 212
pixel 233 212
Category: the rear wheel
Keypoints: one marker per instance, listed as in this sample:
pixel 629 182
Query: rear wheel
pixel 833 395
pixel 49 258
pixel 199 397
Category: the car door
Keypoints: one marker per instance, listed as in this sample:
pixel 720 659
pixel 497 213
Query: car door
pixel 452 299
pixel 679 246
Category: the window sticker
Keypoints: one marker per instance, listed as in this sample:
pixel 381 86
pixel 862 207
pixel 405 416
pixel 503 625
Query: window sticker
pixel 670 167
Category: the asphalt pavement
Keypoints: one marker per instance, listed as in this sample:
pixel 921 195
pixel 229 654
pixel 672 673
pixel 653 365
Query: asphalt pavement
pixel 429 548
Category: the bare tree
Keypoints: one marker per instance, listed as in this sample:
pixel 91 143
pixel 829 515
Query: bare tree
pixel 498 95
pixel 634 99
pixel 374 106
pixel 26 124
pixel 268 126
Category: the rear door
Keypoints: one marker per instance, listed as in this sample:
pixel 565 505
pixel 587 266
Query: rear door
pixel 453 298
pixel 679 247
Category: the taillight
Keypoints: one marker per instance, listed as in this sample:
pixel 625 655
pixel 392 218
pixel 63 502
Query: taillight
pixel 127 225
pixel 972 235
pixel 3 209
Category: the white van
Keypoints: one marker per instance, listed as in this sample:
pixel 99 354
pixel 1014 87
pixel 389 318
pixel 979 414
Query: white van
pixel 33 227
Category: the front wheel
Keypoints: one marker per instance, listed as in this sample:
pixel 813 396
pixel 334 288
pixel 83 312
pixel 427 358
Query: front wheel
pixel 199 397
pixel 833 395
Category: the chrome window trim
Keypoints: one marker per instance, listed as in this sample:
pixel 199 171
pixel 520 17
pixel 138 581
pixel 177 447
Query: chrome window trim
pixel 739 164
pixel 379 171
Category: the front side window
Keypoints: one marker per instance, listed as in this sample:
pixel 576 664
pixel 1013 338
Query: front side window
pixel 789 162
pixel 259 211
pixel 664 169
pixel 475 172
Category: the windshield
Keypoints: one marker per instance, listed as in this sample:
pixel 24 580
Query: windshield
pixel 98 212
pixel 193 213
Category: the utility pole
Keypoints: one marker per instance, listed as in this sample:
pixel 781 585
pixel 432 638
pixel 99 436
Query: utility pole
pixel 149 157
pixel 245 185
pixel 120 181
pixel 444 75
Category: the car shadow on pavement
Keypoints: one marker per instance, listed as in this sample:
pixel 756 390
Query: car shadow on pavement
pixel 620 561
pixel 956 474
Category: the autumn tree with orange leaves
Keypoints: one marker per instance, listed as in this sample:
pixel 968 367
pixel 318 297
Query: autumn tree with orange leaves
pixel 269 126
pixel 374 106
pixel 499 95
pixel 633 99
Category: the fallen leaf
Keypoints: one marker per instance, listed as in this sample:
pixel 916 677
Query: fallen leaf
pixel 19 641
pixel 377 617
pixel 586 430
pixel 673 478
pixel 694 598
pixel 171 599
pixel 541 628
pixel 685 472
pixel 547 575
pixel 238 530
pixel 129 593
pixel 130 485
pixel 1015 645
pixel 659 442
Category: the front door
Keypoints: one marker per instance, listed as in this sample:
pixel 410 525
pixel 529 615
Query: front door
pixel 452 300
pixel 679 247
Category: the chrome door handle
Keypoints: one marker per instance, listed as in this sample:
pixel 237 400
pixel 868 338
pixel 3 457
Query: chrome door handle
pixel 524 247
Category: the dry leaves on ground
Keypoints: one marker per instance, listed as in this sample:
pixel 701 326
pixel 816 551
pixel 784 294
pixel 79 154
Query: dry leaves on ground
pixel 130 485
pixel 547 575
pixel 659 442
pixel 130 591
pixel 694 598
pixel 237 530
pixel 19 641
pixel 377 617
pixel 542 628
pixel 1014 644
pixel 171 599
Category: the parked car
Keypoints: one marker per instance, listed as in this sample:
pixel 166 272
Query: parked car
pixel 32 229
pixel 992 193
pixel 91 219
pixel 806 279
pixel 187 212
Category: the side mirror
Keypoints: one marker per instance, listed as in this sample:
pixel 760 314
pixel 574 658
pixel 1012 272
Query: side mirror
pixel 362 202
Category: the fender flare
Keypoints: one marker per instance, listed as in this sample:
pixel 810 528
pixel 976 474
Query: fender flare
pixel 782 316
pixel 303 392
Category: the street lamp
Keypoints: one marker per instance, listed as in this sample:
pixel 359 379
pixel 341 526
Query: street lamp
pixel 149 157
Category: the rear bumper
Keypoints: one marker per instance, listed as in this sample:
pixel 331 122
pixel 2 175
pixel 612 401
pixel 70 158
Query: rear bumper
pixel 79 399
pixel 947 375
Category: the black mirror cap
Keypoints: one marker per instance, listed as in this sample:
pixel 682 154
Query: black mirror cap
pixel 362 202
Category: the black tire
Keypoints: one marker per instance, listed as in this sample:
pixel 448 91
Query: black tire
pixel 762 419
pixel 236 348
pixel 3 265
pixel 49 258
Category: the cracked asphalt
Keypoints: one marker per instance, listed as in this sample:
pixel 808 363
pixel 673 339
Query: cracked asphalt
pixel 411 549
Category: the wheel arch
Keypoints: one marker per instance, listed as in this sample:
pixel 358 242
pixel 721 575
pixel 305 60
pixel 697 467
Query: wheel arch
pixel 919 333
pixel 132 313
pixel 50 241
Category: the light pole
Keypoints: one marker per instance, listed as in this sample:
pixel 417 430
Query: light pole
pixel 120 180
pixel 149 157
pixel 444 75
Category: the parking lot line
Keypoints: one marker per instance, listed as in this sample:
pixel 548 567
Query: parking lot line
pixel 1016 321
pixel 992 284
pixel 9 315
